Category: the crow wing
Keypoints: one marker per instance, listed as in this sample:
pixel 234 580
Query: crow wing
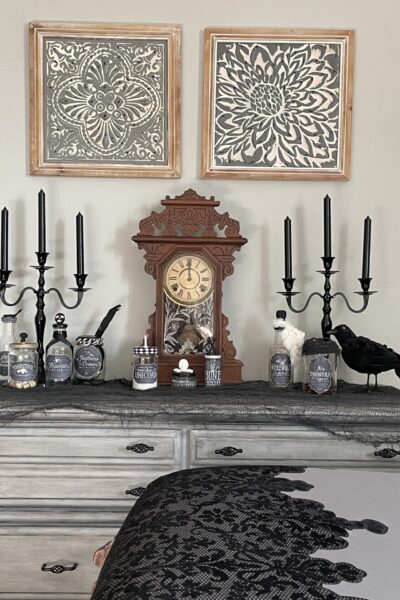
pixel 379 355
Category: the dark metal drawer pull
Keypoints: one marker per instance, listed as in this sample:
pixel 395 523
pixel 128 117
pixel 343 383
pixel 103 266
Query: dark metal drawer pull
pixel 387 453
pixel 229 451
pixel 135 491
pixel 140 448
pixel 57 569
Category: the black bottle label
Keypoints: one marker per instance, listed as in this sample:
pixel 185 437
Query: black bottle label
pixel 212 372
pixel 23 371
pixel 320 374
pixel 58 367
pixel 88 362
pixel 280 370
pixel 182 382
pixel 4 363
pixel 145 373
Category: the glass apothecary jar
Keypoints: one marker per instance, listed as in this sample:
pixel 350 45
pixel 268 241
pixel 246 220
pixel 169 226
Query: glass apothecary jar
pixel 59 353
pixel 23 364
pixel 89 359
pixel 184 380
pixel 320 357
pixel 145 367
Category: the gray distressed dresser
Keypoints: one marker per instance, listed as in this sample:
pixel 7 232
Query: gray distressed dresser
pixel 71 465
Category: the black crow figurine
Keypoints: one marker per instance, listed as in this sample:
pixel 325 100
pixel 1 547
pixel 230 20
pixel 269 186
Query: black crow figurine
pixel 365 355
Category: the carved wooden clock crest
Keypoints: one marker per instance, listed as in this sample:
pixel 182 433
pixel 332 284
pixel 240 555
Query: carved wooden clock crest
pixel 189 250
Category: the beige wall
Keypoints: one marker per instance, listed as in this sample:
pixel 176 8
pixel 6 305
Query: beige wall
pixel 112 208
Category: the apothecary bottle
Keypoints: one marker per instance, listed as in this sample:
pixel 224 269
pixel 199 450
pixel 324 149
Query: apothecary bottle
pixel 320 358
pixel 145 367
pixel 23 364
pixel 89 359
pixel 8 337
pixel 280 366
pixel 59 353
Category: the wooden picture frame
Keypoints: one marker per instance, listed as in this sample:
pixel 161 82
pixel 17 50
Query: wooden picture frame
pixel 277 103
pixel 104 99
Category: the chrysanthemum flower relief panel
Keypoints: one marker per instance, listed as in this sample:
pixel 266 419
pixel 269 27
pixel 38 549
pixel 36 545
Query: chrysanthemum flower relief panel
pixel 278 106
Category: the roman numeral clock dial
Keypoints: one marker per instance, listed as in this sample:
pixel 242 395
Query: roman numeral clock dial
pixel 189 280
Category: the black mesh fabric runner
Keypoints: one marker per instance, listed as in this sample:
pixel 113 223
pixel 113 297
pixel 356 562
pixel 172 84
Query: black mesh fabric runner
pixel 228 533
pixel 372 417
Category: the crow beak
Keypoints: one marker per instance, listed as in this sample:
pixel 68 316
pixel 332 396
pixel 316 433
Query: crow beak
pixel 332 332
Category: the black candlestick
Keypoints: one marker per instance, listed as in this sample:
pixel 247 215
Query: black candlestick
pixel 327 226
pixel 42 221
pixel 80 257
pixel 327 272
pixel 4 239
pixel 366 248
pixel 288 247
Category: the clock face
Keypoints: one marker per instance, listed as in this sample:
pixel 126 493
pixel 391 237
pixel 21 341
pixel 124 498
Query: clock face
pixel 189 280
pixel 189 286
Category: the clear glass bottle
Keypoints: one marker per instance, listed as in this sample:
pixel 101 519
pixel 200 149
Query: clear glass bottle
pixel 280 366
pixel 89 360
pixel 8 337
pixel 145 367
pixel 23 364
pixel 59 354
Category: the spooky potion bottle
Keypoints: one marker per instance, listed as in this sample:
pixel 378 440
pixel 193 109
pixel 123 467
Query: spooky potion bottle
pixel 7 338
pixel 280 367
pixel 59 354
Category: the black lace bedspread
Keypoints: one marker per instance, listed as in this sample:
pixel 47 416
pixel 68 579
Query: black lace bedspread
pixel 227 533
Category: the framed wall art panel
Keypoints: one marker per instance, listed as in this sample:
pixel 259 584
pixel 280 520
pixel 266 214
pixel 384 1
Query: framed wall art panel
pixel 277 103
pixel 104 100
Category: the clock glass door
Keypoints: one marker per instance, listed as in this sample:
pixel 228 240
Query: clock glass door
pixel 189 284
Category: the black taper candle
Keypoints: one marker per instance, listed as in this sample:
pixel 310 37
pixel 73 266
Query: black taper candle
pixel 42 221
pixel 4 239
pixel 288 248
pixel 327 227
pixel 80 256
pixel 366 248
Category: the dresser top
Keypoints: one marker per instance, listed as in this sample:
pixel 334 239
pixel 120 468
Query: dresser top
pixel 249 402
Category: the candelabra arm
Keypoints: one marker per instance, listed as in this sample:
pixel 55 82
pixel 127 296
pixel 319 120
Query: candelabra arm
pixel 289 295
pixel 18 300
pixel 80 293
pixel 355 310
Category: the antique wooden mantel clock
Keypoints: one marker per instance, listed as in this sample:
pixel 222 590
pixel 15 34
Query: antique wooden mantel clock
pixel 189 250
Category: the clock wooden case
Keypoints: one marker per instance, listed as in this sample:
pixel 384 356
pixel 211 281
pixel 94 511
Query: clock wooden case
pixel 189 250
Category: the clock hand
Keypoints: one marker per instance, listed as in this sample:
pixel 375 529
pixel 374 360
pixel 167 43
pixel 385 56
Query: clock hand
pixel 189 265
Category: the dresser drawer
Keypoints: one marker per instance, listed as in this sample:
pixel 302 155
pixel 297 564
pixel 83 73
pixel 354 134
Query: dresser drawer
pixel 80 483
pixel 275 446
pixel 141 446
pixel 22 559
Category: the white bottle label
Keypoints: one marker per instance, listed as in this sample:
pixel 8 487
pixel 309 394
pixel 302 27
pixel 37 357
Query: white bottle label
pixel 58 367
pixel 23 371
pixel 88 362
pixel 320 374
pixel 280 370
pixel 145 373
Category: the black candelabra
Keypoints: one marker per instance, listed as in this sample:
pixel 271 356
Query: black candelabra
pixel 40 291
pixel 327 272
